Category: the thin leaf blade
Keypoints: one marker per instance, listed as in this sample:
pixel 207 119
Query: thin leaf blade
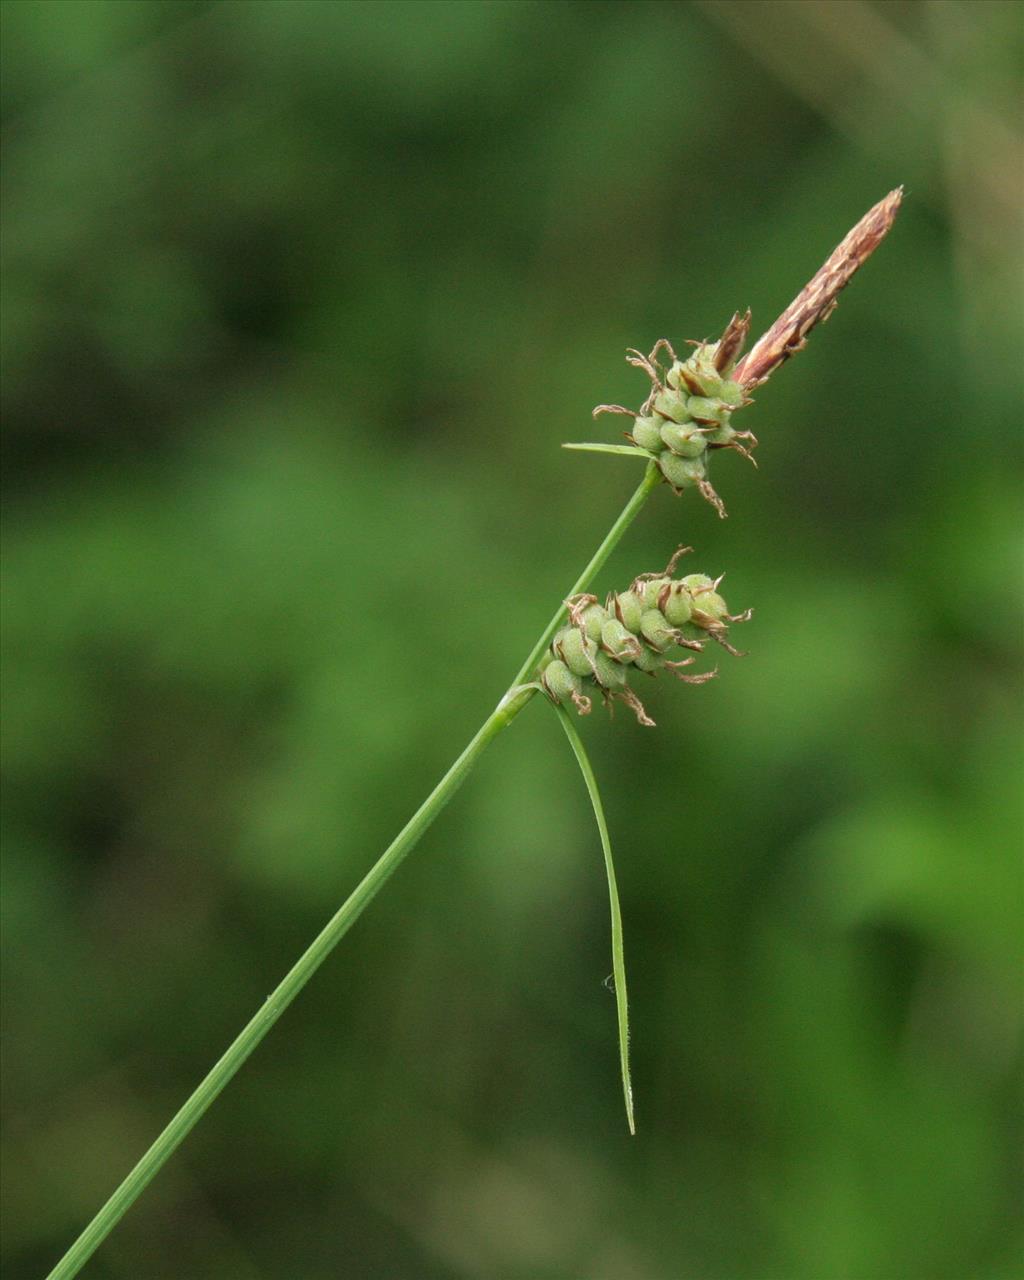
pixel 618 956
pixel 626 450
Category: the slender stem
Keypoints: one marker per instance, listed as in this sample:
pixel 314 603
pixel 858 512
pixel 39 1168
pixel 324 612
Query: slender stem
pixel 618 955
pixel 629 513
pixel 336 928
pixel 282 996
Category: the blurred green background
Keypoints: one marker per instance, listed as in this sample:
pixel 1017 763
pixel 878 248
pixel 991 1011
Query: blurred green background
pixel 300 300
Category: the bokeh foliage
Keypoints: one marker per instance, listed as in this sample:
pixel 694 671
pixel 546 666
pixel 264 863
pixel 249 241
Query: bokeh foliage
pixel 299 301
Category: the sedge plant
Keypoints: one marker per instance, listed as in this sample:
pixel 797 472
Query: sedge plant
pixel 588 650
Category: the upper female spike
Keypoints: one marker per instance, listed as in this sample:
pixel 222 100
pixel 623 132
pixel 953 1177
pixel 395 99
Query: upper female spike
pixel 600 647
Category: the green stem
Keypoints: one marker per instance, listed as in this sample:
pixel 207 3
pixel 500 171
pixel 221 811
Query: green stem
pixel 336 928
pixel 629 513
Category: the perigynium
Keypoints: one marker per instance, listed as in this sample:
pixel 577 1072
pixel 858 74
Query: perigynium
pixel 586 650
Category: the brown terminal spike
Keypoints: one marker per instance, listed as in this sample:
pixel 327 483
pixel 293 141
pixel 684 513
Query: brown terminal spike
pixel 817 300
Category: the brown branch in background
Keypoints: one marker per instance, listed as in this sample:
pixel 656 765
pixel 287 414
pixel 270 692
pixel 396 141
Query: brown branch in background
pixel 817 300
